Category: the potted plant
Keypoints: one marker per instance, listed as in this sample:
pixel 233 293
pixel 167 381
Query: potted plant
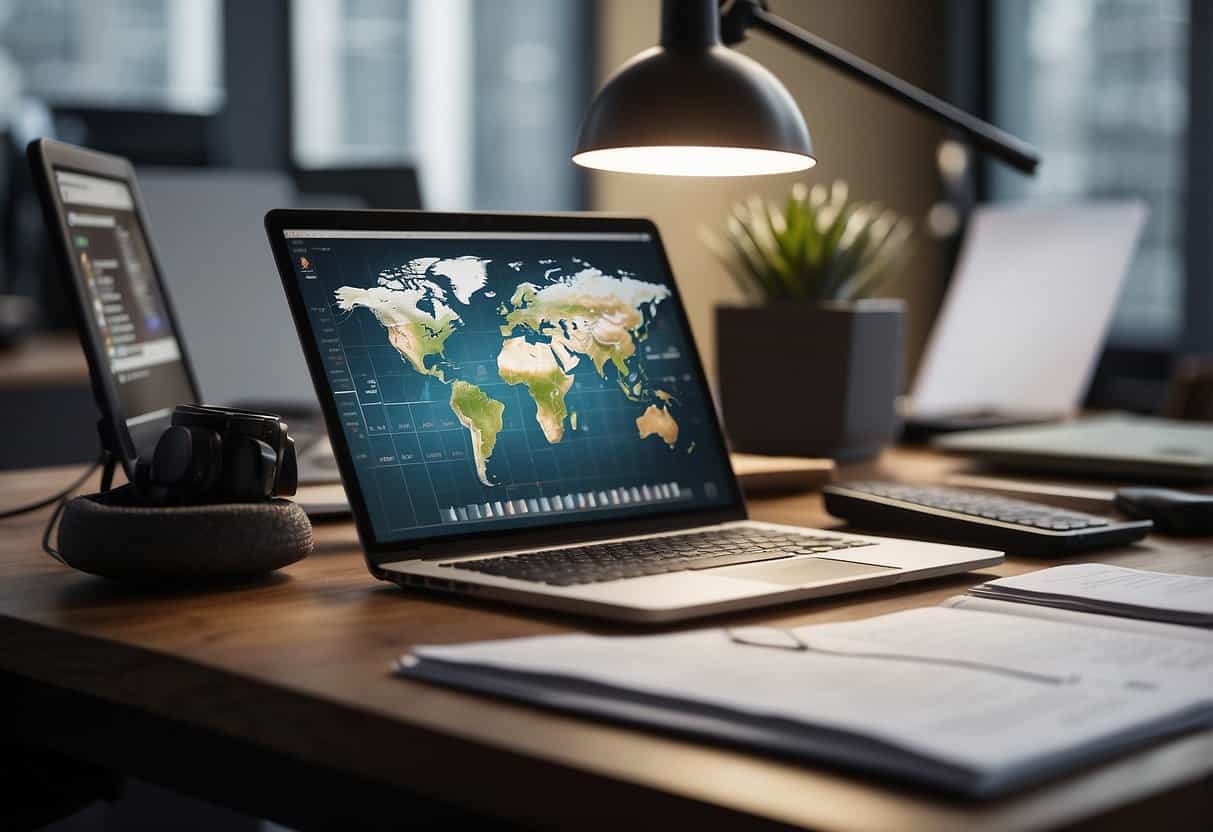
pixel 812 365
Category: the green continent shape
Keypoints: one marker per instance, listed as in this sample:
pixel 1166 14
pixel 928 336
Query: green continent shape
pixel 417 341
pixel 617 349
pixel 481 415
pixel 590 314
pixel 415 333
pixel 602 333
pixel 535 365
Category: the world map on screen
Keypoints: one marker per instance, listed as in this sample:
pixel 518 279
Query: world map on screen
pixel 559 314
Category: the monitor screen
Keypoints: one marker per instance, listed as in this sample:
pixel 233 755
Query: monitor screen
pixel 124 301
pixel 491 380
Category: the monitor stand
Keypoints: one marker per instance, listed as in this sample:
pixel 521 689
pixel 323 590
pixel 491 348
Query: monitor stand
pixel 109 461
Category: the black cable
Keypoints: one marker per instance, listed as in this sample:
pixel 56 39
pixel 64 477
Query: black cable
pixel 58 495
pixel 60 498
pixel 50 526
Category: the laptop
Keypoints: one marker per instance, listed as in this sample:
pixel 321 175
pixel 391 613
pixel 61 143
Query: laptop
pixel 1026 314
pixel 1138 448
pixel 519 413
pixel 139 363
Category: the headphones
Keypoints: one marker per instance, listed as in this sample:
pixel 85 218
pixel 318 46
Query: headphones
pixel 218 455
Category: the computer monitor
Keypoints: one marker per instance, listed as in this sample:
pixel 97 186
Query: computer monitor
pixel 137 362
pixel 487 374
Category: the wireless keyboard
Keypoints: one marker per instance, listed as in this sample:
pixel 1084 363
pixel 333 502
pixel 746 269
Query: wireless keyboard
pixel 954 515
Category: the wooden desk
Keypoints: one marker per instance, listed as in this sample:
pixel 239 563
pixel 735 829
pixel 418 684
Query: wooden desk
pixel 45 360
pixel 276 699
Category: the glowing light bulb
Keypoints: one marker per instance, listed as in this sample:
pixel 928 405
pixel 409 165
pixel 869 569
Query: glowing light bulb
pixel 679 160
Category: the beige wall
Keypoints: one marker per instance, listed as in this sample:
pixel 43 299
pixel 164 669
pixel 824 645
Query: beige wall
pixel 882 149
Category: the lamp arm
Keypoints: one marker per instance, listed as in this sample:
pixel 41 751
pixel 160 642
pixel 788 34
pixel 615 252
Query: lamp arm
pixel 743 14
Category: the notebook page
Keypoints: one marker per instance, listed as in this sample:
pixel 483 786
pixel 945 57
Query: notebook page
pixel 1084 619
pixel 1106 584
pixel 984 721
pixel 1064 651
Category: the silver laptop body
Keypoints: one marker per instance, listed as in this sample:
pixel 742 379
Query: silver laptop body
pixel 504 389
pixel 692 593
pixel 1119 446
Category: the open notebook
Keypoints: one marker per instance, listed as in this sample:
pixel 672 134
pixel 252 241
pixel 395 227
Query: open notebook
pixel 978 697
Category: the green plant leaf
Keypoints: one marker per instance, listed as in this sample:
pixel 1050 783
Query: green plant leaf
pixel 783 259
pixel 890 257
pixel 777 272
pixel 852 244
pixel 749 257
pixel 831 265
pixel 815 244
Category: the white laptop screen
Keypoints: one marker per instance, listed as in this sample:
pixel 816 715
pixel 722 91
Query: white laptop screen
pixel 1028 308
pixel 490 380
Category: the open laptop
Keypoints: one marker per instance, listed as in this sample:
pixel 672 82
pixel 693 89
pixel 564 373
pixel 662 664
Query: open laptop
pixel 1026 314
pixel 139 363
pixel 1119 446
pixel 519 413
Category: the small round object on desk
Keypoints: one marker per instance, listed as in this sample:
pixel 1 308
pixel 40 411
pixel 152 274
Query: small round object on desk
pixel 112 535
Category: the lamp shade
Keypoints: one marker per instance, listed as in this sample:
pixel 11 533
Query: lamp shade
pixel 693 107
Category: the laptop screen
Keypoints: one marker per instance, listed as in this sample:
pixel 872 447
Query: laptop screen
pixel 125 305
pixel 490 380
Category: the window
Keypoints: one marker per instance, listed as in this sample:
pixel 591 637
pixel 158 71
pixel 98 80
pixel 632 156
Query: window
pixel 1101 87
pixel 484 97
pixel 153 54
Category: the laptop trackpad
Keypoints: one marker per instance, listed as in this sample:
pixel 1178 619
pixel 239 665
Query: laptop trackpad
pixel 802 571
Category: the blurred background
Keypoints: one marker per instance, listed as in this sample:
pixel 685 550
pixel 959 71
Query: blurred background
pixel 475 104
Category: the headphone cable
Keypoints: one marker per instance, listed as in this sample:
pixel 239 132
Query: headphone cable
pixel 62 494
pixel 60 499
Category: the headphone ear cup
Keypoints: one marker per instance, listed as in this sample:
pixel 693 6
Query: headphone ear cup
pixel 251 466
pixel 187 459
pixel 288 473
pixel 143 477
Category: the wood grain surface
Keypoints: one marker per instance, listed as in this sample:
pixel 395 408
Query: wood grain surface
pixel 276 697
pixel 44 360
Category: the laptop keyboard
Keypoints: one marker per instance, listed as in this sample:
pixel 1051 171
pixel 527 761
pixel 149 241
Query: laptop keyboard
pixel 654 556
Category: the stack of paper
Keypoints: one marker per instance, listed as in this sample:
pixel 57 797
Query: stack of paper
pixel 970 702
pixel 1111 590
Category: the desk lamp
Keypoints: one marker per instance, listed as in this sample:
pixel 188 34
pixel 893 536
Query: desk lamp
pixel 693 107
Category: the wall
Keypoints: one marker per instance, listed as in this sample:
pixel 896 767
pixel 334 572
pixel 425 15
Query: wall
pixel 884 151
